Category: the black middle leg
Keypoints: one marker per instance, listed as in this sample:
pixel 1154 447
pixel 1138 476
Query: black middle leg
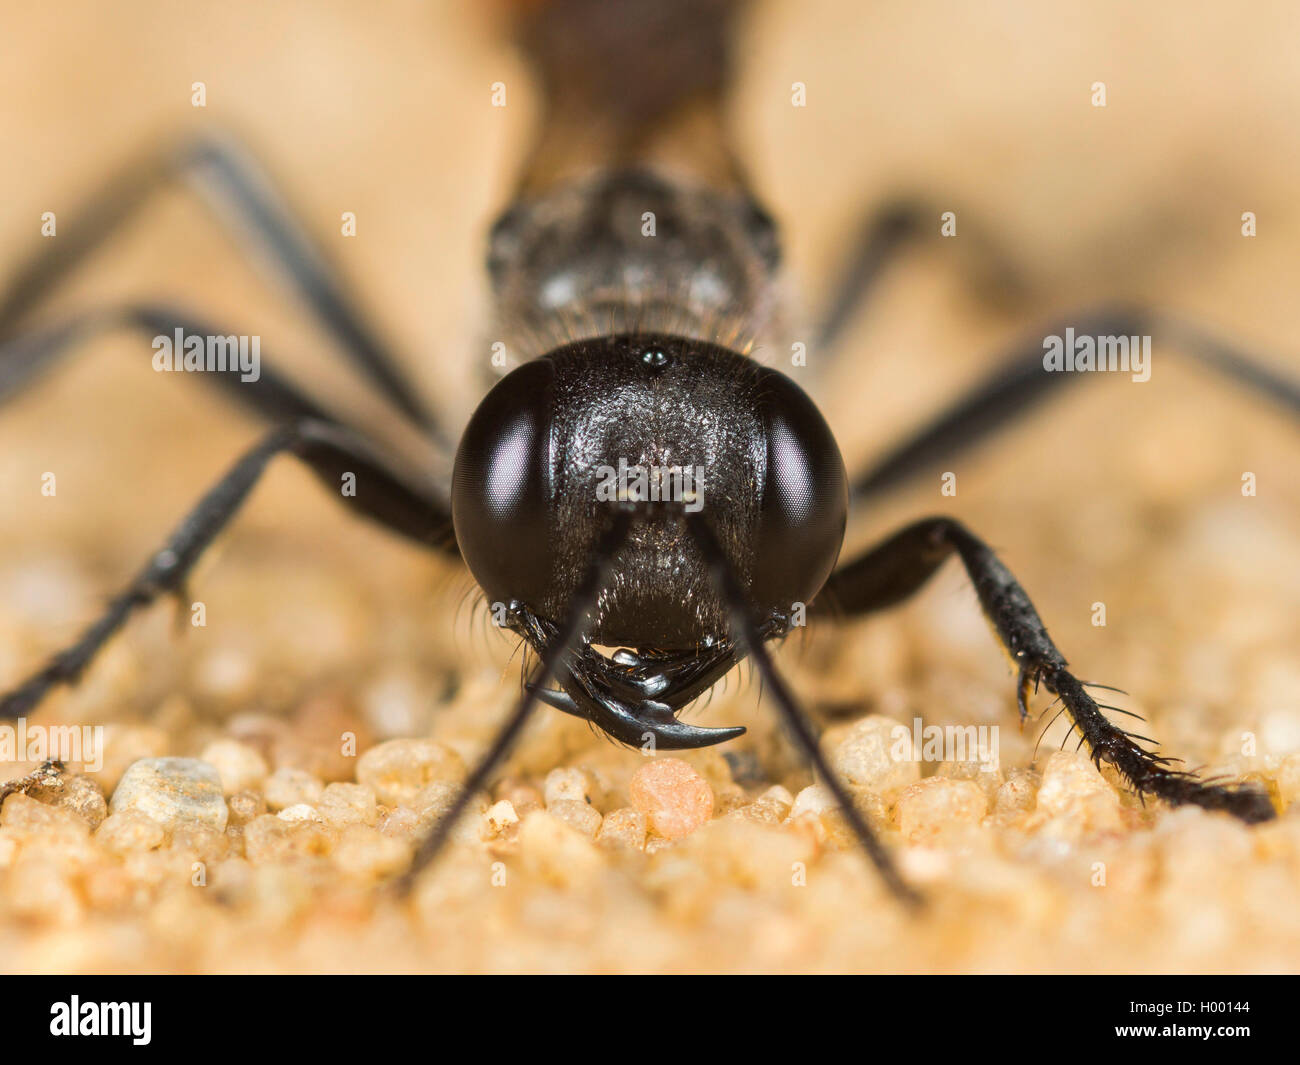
pixel 892 571
pixel 32 353
pixel 228 181
pixel 883 237
pixel 1021 383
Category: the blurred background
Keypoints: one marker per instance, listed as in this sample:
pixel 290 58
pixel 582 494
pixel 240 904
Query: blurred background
pixel 1117 493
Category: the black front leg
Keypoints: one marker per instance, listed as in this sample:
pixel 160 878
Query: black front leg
pixel 895 569
pixel 752 632
pixel 383 494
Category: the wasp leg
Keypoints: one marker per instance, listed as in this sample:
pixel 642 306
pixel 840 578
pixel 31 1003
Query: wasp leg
pixel 895 569
pixel 883 237
pixel 264 391
pixel 750 632
pixel 1022 382
pixel 384 495
pixel 567 635
pixel 242 198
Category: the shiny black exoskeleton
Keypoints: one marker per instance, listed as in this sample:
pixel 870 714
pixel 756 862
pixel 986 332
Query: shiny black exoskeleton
pixel 640 500
pixel 528 513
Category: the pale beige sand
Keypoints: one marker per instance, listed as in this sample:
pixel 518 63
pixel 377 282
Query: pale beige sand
pixel 1124 494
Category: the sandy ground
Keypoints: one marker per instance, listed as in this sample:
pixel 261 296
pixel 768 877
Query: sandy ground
pixel 317 628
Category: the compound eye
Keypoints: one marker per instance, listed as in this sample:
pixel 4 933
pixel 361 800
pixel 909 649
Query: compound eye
pixel 805 500
pixel 502 488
